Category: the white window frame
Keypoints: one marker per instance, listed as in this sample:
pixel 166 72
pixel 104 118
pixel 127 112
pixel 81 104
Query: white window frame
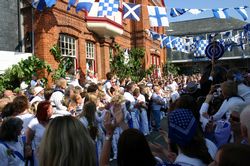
pixel 67 45
pixel 90 53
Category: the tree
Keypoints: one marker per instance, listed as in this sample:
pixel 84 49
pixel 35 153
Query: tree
pixel 170 68
pixel 65 63
pixel 23 71
pixel 133 67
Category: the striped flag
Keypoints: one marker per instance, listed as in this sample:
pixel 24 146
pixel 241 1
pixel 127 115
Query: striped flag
pixel 242 11
pixel 174 12
pixel 220 13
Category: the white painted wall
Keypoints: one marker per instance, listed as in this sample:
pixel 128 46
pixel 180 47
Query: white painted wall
pixel 9 58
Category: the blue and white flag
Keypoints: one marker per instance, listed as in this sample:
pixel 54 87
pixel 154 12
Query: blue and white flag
pixel 190 45
pixel 50 3
pixel 170 41
pixel 84 5
pixel 39 4
pixel 220 13
pixel 131 11
pixel 108 7
pixel 163 39
pixel 197 39
pixel 71 3
pixel 200 48
pixel 157 16
pixel 174 12
pixel 242 11
pixel 180 45
pixel 195 11
pixel 154 35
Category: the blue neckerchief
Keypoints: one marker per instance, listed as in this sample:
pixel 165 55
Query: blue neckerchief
pixel 59 90
pixel 15 153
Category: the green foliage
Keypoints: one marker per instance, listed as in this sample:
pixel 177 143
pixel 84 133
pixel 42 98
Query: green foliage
pixel 65 63
pixel 170 68
pixel 133 68
pixel 23 71
pixel 150 70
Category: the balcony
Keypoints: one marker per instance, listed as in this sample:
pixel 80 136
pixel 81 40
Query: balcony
pixel 106 26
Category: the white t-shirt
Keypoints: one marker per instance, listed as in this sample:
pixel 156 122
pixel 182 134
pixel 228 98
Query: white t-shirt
pixel 128 96
pixel 35 99
pixel 212 148
pixel 26 118
pixel 10 160
pixel 107 86
pixel 141 98
pixel 38 130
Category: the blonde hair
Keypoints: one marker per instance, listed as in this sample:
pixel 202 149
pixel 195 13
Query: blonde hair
pixel 61 82
pixel 118 99
pixel 90 97
pixel 66 142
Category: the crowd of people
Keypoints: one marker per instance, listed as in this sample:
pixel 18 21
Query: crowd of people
pixel 89 124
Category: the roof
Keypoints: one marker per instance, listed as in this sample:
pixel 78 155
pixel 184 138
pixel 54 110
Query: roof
pixel 203 26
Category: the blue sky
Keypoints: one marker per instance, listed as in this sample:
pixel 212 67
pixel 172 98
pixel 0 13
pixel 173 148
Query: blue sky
pixel 206 4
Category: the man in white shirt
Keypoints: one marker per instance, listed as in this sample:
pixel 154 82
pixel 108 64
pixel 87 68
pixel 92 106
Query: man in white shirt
pixel 57 97
pixel 107 85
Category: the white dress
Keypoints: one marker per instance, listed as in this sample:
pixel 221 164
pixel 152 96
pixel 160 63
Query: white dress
pixel 38 130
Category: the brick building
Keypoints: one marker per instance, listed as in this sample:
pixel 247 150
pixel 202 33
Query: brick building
pixel 89 40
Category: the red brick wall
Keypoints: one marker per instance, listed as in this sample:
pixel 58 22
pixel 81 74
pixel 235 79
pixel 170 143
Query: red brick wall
pixel 51 22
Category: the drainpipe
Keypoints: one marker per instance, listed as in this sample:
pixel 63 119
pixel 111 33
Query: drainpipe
pixel 32 31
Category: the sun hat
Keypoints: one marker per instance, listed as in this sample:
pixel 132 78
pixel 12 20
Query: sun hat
pixel 23 85
pixel 37 90
pixel 182 126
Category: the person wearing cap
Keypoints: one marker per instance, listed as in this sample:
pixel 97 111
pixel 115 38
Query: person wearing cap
pixel 38 94
pixel 193 148
pixel 193 90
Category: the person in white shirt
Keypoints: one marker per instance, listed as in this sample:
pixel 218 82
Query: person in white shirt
pixel 141 105
pixel 128 95
pixel 107 85
pixel 36 128
pixel 58 96
pixel 229 92
pixel 11 151
pixel 243 90
pixel 75 81
pixel 38 94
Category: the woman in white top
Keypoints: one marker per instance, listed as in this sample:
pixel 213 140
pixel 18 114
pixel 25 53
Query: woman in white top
pixel 11 151
pixel 20 107
pixel 36 128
